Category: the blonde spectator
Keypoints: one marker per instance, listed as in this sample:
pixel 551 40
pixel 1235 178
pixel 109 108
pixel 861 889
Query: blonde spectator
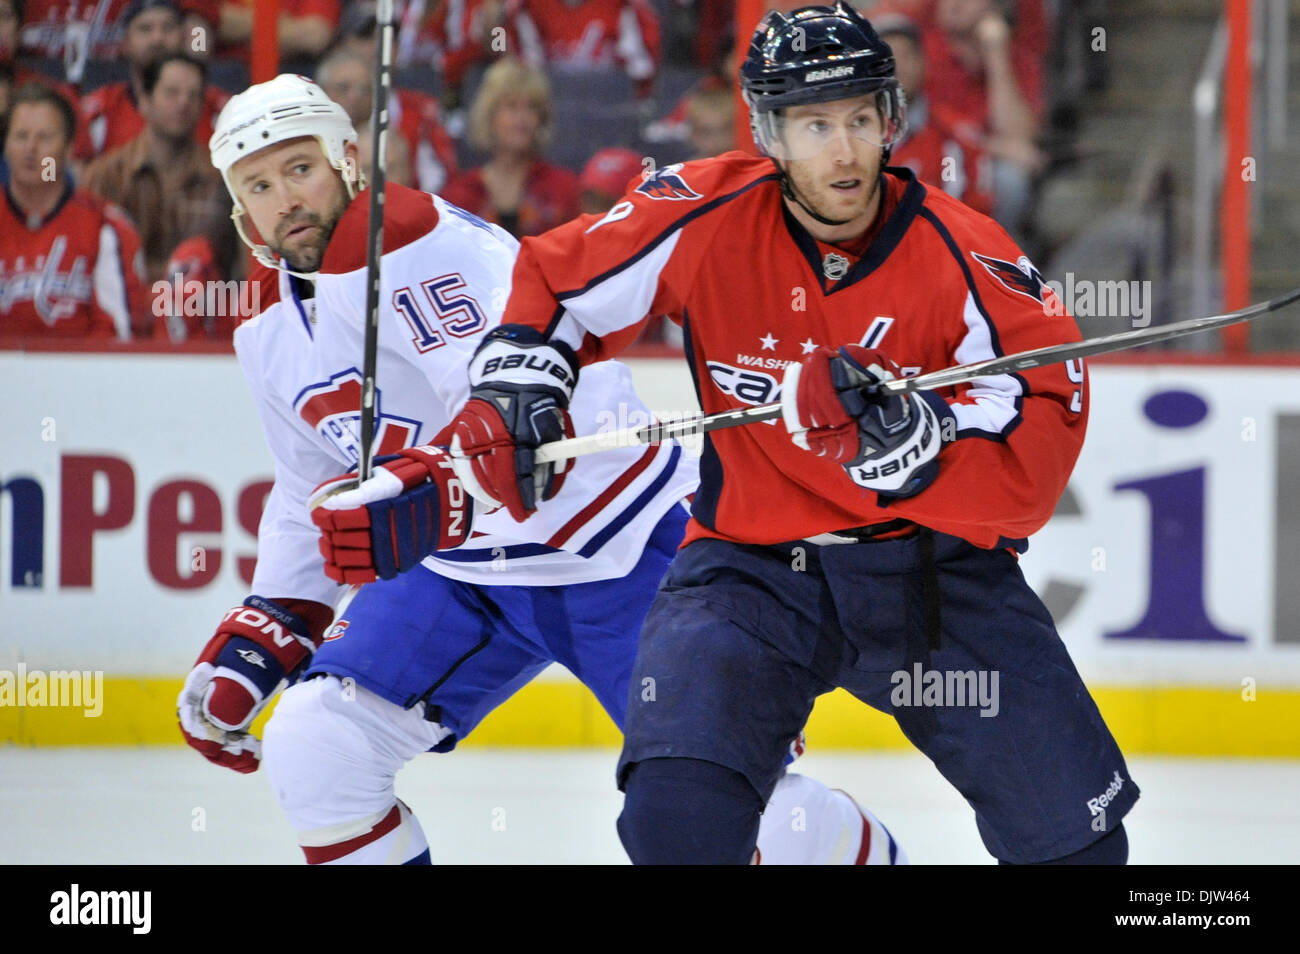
pixel 511 121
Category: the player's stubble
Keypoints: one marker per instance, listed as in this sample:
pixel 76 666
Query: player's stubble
pixel 812 181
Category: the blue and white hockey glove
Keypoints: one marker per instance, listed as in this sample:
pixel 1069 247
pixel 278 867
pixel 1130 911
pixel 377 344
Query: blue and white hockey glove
pixel 888 443
pixel 520 387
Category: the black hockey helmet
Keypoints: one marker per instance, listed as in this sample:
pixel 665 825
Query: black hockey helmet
pixel 813 55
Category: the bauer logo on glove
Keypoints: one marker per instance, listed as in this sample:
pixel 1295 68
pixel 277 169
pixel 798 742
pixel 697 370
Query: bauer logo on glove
pixel 886 442
pixel 520 387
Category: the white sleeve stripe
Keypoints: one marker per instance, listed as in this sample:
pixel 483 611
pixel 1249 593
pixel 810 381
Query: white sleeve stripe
pixel 995 410
pixel 110 281
pixel 620 300
pixel 570 331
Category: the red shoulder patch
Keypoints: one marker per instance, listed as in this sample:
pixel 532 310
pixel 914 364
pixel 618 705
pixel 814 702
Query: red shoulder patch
pixel 409 214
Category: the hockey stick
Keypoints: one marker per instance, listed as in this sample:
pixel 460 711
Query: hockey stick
pixel 378 161
pixel 1025 360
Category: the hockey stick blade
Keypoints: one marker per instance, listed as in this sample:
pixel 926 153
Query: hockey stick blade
pixel 992 367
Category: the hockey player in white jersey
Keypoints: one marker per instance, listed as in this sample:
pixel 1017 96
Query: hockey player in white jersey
pixel 419 657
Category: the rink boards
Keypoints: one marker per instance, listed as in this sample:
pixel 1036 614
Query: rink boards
pixel 131 485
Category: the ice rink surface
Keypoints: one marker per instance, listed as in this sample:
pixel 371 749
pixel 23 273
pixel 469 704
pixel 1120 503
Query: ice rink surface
pixel 520 806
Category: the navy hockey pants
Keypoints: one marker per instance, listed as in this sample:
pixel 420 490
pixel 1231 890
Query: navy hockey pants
pixel 742 639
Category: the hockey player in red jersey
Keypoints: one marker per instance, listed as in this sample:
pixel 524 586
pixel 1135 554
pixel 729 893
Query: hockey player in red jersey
pixel 424 652
pixel 870 541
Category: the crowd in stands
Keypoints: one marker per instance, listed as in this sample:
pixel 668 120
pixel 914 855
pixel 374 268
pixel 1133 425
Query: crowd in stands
pixel 524 112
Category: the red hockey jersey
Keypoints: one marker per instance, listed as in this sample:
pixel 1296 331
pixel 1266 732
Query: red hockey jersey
pixel 46 23
pixel 77 273
pixel 710 244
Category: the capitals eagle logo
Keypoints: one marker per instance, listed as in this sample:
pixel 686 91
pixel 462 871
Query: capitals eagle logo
pixel 667 183
pixel 1020 277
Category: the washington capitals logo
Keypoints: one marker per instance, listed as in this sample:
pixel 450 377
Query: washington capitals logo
pixel 667 183
pixel 1021 277
pixel 333 410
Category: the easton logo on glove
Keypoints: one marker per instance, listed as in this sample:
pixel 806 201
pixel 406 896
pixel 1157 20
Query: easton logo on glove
pixel 413 506
pixel 248 656
pixel 259 648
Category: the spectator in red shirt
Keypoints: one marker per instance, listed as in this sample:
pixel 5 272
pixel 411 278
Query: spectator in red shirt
pixel 447 36
pixel 511 120
pixel 417 116
pixel 939 146
pixel 110 116
pixel 987 73
pixel 70 263
pixel 78 30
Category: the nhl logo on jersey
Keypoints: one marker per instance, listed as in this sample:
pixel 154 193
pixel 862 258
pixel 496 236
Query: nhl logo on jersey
pixel 835 266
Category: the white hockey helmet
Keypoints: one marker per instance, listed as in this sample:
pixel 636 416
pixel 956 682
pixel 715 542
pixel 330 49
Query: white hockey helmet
pixel 280 109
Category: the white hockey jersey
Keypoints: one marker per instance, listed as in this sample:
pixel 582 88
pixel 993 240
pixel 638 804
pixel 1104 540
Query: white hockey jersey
pixel 444 281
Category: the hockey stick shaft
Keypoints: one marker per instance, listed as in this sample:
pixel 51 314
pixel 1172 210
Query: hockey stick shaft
pixel 375 250
pixel 1007 364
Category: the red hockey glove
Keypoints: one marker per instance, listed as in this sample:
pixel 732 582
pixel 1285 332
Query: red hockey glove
pixel 412 505
pixel 888 443
pixel 520 386
pixel 258 649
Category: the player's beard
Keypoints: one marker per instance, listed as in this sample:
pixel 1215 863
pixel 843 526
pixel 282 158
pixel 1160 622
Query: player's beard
pixel 815 192
pixel 307 255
